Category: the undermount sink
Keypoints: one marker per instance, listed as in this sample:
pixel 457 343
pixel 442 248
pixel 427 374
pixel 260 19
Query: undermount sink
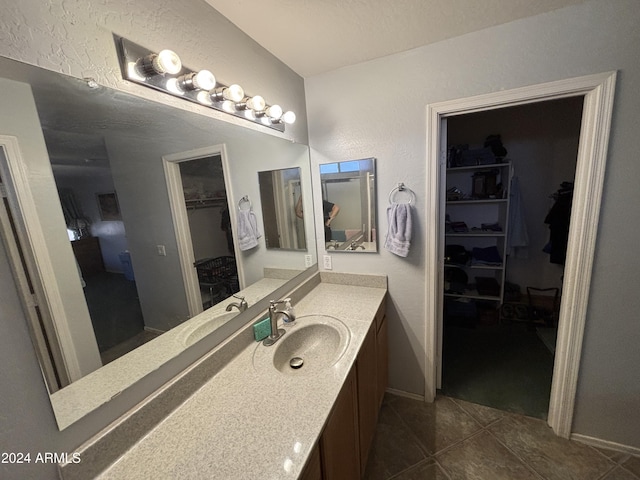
pixel 314 343
pixel 206 328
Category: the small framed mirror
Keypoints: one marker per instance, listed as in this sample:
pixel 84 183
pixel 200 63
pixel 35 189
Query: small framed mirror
pixel 348 204
pixel 281 198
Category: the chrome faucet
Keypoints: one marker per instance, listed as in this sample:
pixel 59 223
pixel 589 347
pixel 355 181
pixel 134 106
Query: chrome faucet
pixel 274 314
pixel 242 305
pixel 354 246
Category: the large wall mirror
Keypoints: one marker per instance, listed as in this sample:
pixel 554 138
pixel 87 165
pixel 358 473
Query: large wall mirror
pixel 119 264
pixel 348 198
pixel 282 209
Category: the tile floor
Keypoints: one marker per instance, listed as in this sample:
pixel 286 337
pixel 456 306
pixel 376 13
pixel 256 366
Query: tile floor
pixel 452 439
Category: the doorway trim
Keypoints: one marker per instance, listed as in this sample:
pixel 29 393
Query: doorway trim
pixel 598 91
pixel 171 165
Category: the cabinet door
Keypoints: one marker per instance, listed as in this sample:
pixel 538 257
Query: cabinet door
pixel 382 359
pixel 339 443
pixel 366 367
pixel 313 470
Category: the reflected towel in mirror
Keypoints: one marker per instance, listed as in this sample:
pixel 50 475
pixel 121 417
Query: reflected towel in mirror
pixel 398 238
pixel 248 233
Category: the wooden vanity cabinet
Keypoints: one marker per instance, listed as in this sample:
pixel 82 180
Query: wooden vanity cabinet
pixel 313 469
pixel 339 444
pixel 382 355
pixel 348 435
pixel 368 405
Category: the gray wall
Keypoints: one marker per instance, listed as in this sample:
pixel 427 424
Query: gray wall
pixel 352 114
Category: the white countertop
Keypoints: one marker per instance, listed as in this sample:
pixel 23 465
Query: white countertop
pixel 245 424
pixel 93 390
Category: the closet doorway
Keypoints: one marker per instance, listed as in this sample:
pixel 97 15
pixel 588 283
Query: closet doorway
pixel 498 346
pixel 197 184
pixel 598 93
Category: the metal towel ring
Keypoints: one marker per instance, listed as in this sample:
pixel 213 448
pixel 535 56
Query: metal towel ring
pixel 402 188
pixel 246 200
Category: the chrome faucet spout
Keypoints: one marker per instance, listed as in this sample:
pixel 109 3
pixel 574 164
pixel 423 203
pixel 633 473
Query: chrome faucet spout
pixel 242 305
pixel 274 315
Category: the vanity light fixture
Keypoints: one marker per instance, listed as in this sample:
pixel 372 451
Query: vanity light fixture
pixel 165 72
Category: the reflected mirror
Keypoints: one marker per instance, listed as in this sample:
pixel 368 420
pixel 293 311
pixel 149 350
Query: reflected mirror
pixel 128 288
pixel 282 209
pixel 348 205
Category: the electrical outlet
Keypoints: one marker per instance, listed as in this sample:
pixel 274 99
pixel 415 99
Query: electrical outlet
pixel 327 262
pixel 161 250
pixel 308 261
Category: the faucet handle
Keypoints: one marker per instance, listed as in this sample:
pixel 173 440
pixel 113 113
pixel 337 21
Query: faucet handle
pixel 242 300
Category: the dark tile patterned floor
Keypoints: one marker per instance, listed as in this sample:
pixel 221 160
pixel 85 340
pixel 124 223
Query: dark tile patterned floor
pixel 453 439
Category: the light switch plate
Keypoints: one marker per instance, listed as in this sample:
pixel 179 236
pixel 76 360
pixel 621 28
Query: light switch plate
pixel 161 250
pixel 308 261
pixel 327 262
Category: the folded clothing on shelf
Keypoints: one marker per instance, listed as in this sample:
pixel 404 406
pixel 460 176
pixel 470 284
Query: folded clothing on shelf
pixel 486 256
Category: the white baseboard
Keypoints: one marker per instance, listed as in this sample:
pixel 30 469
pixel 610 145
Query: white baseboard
pixel 402 393
pixel 598 442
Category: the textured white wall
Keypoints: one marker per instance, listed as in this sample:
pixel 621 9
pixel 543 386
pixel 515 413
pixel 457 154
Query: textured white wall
pixel 378 109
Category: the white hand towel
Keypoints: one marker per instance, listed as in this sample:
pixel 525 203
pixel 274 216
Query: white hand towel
pixel 398 238
pixel 248 233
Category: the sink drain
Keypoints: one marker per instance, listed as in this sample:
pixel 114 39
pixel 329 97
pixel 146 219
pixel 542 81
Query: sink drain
pixel 296 363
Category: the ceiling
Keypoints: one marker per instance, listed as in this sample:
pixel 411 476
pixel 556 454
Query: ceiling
pixel 317 36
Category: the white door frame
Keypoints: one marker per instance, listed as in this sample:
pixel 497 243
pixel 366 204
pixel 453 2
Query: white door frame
pixel 171 165
pixel 47 296
pixel 598 91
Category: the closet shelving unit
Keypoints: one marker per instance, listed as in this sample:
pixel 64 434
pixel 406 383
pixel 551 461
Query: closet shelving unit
pixel 475 211
pixel 196 203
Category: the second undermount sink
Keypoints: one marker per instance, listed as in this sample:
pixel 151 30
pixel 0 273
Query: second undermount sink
pixel 314 343
pixel 206 328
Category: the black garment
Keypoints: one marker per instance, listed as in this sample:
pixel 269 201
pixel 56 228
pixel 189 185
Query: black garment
pixel 225 226
pixel 326 211
pixel 558 220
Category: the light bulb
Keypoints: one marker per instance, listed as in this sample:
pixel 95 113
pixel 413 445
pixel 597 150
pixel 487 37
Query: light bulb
pixel 204 98
pixel 228 106
pixel 274 112
pixel 256 103
pixel 174 86
pixel 289 117
pixel 202 80
pixel 167 61
pixel 234 92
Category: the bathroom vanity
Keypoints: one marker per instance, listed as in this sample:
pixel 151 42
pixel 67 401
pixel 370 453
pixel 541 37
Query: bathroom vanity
pixel 250 415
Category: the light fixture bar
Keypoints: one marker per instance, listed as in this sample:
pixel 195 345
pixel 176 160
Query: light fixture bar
pixel 165 72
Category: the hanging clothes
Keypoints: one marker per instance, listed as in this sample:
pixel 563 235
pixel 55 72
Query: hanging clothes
pixel 517 234
pixel 225 226
pixel 558 220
